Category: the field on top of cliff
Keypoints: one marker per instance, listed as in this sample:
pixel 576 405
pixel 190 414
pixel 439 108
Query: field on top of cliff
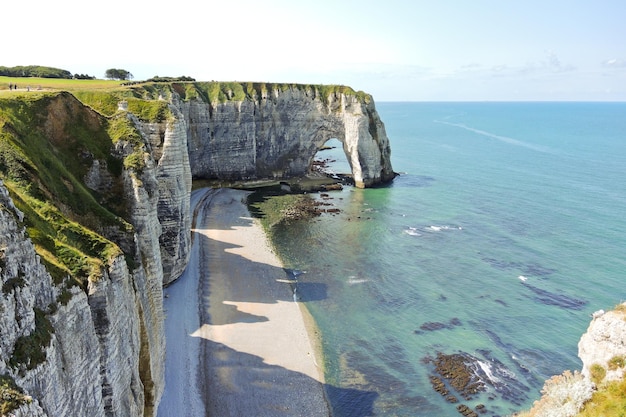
pixel 208 91
pixel 34 83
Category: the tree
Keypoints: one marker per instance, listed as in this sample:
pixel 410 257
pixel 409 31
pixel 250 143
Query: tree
pixel 35 71
pixel 118 74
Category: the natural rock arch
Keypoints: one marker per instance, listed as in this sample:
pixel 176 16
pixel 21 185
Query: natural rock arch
pixel 278 134
pixel 333 158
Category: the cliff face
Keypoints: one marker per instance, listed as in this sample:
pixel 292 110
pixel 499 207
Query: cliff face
pixel 94 220
pixel 78 345
pixel 276 132
pixel 604 343
pixel 70 356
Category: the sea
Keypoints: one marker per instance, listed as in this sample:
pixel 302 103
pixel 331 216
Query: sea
pixel 504 231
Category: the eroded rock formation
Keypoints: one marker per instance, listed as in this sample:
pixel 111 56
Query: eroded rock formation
pixel 92 346
pixel 276 132
pixel 604 343
pixel 74 345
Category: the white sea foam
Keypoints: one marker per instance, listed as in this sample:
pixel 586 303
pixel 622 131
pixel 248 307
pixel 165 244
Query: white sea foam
pixel 354 280
pixel 504 139
pixel 435 228
pixel 412 231
pixel 487 369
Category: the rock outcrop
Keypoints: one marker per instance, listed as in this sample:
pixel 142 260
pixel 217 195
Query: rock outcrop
pixel 604 343
pixel 274 131
pixel 88 339
pixel 602 349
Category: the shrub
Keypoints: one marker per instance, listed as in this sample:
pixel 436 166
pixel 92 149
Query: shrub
pixel 11 396
pixel 12 283
pixel 35 71
pixel 616 362
pixel 64 297
pixel 135 161
pixel 30 350
pixel 597 373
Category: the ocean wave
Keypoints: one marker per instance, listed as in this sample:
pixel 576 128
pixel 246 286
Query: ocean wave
pixel 489 372
pixel 412 231
pixel 435 228
pixel 293 274
pixel 354 280
pixel 410 180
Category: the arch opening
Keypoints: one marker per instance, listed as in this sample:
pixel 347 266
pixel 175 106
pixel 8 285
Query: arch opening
pixel 331 161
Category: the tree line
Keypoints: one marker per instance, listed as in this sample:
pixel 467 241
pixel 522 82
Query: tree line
pixel 50 72
pixel 35 71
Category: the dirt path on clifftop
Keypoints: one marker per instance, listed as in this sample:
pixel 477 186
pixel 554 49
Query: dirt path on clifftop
pixel 237 344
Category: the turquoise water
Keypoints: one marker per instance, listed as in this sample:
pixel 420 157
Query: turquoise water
pixel 505 231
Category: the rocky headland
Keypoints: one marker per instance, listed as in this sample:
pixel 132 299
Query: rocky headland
pixel 95 220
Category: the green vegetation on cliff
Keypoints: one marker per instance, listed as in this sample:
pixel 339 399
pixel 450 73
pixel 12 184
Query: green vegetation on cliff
pixel 48 142
pixel 52 132
pixel 104 95
pixel 609 400
pixel 11 396
pixel 30 350
pixel 220 92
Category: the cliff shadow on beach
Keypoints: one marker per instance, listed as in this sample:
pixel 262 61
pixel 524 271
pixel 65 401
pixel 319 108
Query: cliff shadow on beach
pixel 238 383
pixel 239 295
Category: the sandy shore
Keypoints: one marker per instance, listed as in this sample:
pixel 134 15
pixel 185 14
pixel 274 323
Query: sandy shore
pixel 237 343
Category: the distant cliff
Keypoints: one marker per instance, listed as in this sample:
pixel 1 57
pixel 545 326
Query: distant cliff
pixel 276 130
pixel 94 220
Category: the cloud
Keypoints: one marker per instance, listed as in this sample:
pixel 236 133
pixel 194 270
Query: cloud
pixel 549 64
pixel 554 64
pixel 614 63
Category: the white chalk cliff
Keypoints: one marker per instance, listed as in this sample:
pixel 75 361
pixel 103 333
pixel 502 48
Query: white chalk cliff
pixel 604 342
pixel 97 348
pixel 276 131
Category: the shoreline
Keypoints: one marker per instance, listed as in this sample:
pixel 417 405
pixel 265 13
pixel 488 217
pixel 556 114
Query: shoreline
pixel 237 343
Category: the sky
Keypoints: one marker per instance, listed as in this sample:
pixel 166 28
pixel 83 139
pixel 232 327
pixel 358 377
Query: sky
pixel 396 50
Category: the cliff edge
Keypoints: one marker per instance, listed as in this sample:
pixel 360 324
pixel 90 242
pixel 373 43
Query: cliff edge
pixel 94 220
pixel 600 387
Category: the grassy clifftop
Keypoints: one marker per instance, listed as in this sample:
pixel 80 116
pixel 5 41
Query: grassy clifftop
pixel 52 131
pixel 143 97
pixel 48 142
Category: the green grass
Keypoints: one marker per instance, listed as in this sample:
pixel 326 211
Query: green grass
pixel 617 362
pixel 609 400
pixel 57 84
pixel 47 144
pixel 51 135
pixel 106 93
pixel 597 373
